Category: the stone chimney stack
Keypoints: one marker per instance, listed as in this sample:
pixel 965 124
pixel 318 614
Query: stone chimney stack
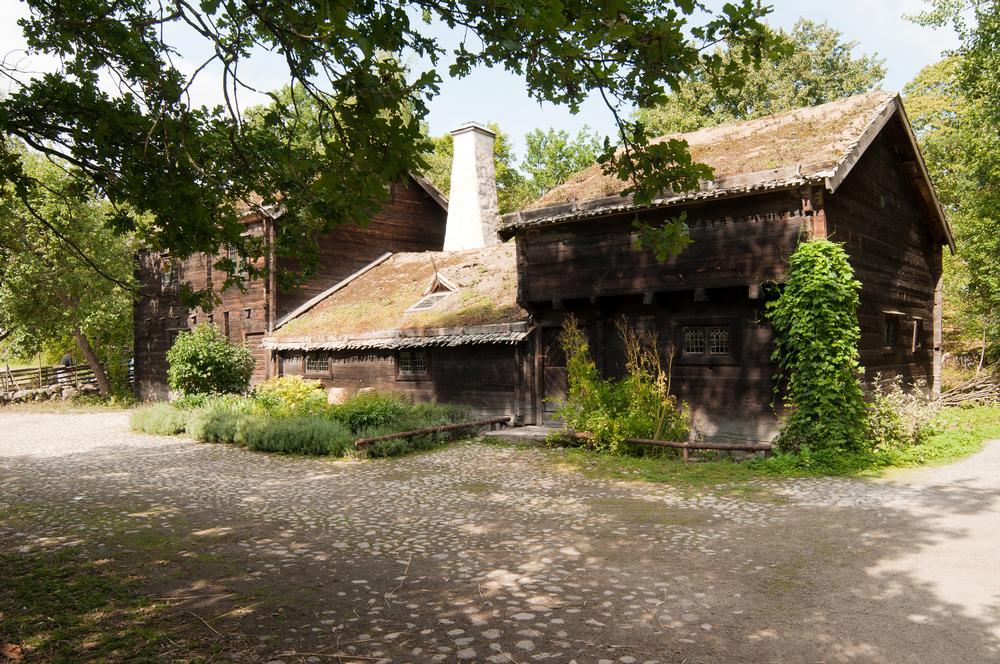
pixel 473 215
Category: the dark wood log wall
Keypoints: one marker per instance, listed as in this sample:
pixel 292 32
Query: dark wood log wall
pixel 729 397
pixel 410 221
pixel 485 377
pixel 879 215
pixel 591 268
pixel 735 242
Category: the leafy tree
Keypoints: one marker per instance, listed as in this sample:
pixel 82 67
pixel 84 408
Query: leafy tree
pixel 816 66
pixel 552 156
pixel 816 347
pixel 954 109
pixel 203 361
pixel 118 107
pixel 64 276
pixel 512 191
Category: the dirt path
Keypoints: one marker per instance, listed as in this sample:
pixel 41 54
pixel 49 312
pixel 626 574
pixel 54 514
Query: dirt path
pixel 158 548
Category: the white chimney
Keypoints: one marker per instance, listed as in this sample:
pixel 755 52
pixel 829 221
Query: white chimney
pixel 473 215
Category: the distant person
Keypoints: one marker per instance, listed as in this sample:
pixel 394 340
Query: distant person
pixel 67 360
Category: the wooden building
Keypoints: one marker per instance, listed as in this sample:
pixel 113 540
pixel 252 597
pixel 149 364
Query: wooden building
pixel 848 170
pixel 435 326
pixel 412 220
pixel 478 323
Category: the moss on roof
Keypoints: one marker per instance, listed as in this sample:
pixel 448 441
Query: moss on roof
pixel 815 138
pixel 378 299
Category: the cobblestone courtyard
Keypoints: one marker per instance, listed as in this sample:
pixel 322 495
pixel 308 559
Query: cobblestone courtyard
pixel 483 553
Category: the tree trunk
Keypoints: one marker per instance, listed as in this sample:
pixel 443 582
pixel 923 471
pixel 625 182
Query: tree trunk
pixel 103 385
pixel 982 352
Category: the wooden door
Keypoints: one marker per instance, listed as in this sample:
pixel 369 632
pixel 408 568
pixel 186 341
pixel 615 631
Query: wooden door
pixel 554 382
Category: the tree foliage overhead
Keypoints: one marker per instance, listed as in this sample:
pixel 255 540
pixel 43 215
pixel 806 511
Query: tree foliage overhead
pixel 954 106
pixel 118 107
pixel 54 251
pixel 815 66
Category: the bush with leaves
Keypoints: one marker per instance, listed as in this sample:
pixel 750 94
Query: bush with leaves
pixel 637 406
pixel 291 395
pixel 310 435
pixel 899 418
pixel 158 418
pixel 203 361
pixel 816 338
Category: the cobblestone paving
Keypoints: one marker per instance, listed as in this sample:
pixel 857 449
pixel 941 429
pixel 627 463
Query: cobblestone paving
pixel 492 554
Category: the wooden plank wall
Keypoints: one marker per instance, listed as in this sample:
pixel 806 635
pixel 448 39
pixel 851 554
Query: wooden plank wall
pixel 485 377
pixel 885 226
pixel 735 242
pixel 410 221
pixel 729 398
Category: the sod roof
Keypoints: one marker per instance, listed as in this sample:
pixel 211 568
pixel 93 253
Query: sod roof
pixel 377 301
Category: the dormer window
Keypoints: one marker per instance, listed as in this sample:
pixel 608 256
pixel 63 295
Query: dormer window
pixel 428 301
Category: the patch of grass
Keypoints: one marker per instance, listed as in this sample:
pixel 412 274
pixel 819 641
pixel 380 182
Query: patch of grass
pixel 957 433
pixel 159 418
pixel 63 607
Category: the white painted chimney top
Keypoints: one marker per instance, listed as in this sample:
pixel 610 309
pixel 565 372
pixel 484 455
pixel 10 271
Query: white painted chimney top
pixel 473 214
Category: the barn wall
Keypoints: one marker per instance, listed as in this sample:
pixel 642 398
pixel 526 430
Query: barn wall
pixel 884 224
pixel 410 221
pixel 729 397
pixel 159 317
pixel 488 377
pixel 735 242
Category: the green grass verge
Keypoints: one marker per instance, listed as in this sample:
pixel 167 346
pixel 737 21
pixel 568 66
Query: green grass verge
pixel 957 433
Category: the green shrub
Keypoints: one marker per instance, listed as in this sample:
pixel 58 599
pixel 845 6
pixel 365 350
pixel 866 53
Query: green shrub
pixel 213 424
pixel 897 418
pixel 371 410
pixel 816 338
pixel 204 361
pixel 283 396
pixel 158 418
pixel 637 406
pixel 296 435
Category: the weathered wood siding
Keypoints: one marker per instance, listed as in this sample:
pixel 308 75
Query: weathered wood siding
pixel 242 315
pixel 885 226
pixel 488 378
pixel 729 397
pixel 409 221
pixel 735 242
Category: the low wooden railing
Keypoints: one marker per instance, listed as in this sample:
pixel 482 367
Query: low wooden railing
pixel 686 446
pixel 491 422
pixel 27 379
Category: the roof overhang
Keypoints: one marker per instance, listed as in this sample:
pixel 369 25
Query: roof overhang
pixel 447 337
pixel 830 175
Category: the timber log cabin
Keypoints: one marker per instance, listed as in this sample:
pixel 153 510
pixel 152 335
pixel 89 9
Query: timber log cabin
pixel 475 320
pixel 413 219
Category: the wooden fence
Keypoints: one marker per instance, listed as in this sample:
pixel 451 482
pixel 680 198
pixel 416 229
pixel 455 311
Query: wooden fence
pixel 26 379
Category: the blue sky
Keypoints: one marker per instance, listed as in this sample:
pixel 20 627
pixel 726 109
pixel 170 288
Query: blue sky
pixel 498 96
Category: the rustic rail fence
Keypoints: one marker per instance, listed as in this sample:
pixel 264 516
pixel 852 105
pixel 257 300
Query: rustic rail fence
pixel 686 446
pixel 491 422
pixel 12 380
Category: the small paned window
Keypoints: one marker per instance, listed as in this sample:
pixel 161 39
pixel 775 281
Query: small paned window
pixel 718 340
pixel 428 301
pixel 694 340
pixel 318 363
pixel 412 363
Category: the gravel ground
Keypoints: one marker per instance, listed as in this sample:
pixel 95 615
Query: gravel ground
pixel 483 553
